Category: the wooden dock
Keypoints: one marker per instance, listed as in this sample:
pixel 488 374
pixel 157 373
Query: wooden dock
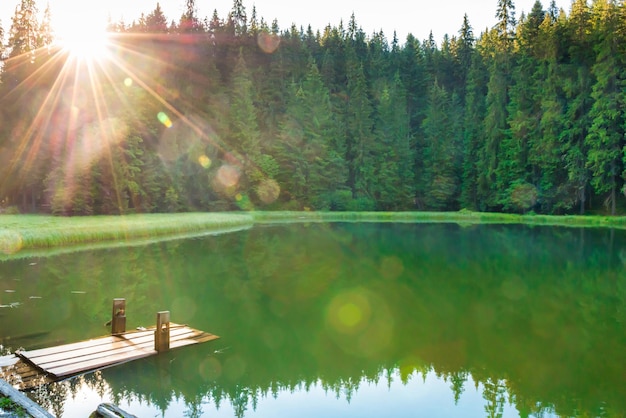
pixel 30 368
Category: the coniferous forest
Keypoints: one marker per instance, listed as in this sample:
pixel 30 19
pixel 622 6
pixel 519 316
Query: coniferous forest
pixel 234 112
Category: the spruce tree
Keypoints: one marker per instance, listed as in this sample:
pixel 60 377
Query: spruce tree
pixel 473 133
pixel 310 172
pixel 156 21
pixel 606 134
pixel 394 186
pixel 577 84
pixel 239 18
pixel 359 125
pixel 442 151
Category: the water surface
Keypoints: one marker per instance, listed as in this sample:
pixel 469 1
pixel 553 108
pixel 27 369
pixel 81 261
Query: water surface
pixel 350 320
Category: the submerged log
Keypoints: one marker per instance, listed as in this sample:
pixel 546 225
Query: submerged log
pixel 108 410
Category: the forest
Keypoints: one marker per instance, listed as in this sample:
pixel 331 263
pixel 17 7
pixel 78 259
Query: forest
pixel 236 113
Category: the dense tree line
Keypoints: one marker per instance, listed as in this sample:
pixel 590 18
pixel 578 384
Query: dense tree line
pixel 235 112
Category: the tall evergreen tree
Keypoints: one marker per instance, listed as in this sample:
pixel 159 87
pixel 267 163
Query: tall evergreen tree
pixel 310 171
pixel 243 135
pixel 189 21
pixel 46 33
pixel 577 84
pixel 493 174
pixel 606 134
pixel 394 188
pixel 442 150
pixel 239 17
pixel 359 125
pixel 473 133
pixel 414 75
pixel 505 28
pixel 156 22
pixel 464 50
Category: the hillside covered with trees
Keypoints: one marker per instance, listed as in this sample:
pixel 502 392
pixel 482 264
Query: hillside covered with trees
pixel 234 112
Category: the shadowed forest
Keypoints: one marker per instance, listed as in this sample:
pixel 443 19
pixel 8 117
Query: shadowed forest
pixel 235 112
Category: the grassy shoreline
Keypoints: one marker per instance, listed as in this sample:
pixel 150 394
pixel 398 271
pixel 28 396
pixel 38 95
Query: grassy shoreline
pixel 461 217
pixel 33 235
pixel 28 232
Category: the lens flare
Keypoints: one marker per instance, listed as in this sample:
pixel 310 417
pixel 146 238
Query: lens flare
pixel 164 119
pixel 204 161
pixel 349 313
pixel 228 175
pixel 128 81
pixel 268 191
pixel 10 242
pixel 360 322
pixel 210 369
pixel 268 42
pixel 244 202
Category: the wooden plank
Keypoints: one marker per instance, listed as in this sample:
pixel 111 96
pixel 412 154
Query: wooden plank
pixel 28 369
pixel 72 369
pixel 70 359
pixel 78 345
pixel 9 360
pixel 182 343
pixel 118 349
pixel 105 357
pixel 79 349
pixel 91 344
pixel 100 360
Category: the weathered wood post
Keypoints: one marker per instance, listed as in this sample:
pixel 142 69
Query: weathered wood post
pixel 118 316
pixel 162 332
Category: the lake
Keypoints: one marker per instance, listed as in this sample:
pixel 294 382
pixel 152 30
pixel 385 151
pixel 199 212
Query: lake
pixel 343 319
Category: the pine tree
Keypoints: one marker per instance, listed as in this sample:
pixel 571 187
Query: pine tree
pixel 473 133
pixel 22 107
pixel 492 173
pixel 156 22
pixel 505 28
pixel 239 18
pixel 310 170
pixel 393 156
pixel 189 22
pixel 606 134
pixel 548 172
pixel 24 36
pixel 46 33
pixel 464 50
pixel 577 84
pixel 359 125
pixel 243 135
pixel 413 75
pixel 442 150
pixel 522 108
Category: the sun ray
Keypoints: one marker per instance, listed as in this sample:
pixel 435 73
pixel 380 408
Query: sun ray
pixel 85 89
pixel 140 79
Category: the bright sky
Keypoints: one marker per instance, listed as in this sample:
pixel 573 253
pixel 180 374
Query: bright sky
pixel 418 17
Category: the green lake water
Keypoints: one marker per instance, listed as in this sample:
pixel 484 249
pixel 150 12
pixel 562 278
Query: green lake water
pixel 343 320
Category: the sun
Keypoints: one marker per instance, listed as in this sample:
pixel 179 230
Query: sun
pixel 84 42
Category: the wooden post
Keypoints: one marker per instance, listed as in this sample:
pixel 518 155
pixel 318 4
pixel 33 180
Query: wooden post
pixel 118 316
pixel 162 332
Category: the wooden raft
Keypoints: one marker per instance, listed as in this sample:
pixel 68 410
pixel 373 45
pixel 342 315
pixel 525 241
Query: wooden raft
pixel 31 368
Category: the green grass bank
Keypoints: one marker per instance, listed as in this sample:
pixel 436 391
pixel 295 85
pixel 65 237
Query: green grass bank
pixel 27 234
pixel 461 217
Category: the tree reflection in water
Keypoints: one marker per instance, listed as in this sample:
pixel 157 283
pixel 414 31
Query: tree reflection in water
pixel 533 316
